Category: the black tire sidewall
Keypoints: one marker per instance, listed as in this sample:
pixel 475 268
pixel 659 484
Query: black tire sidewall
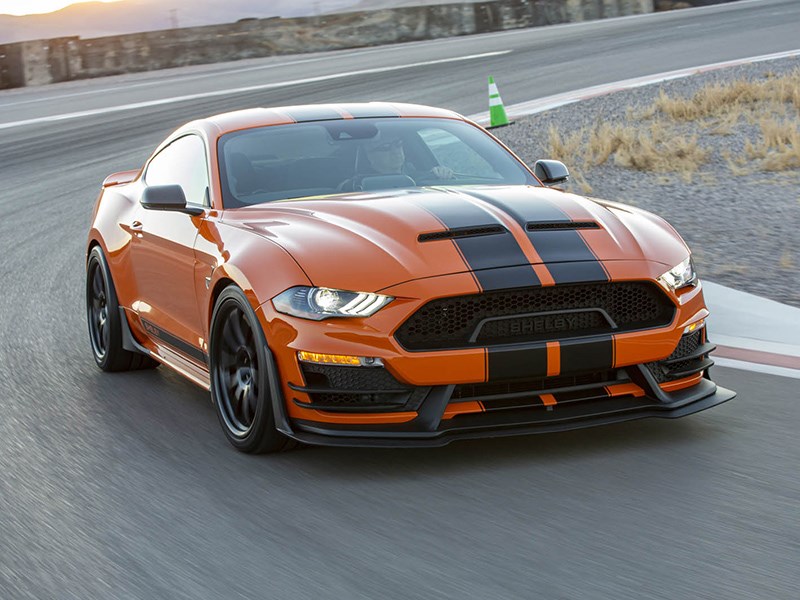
pixel 114 353
pixel 262 436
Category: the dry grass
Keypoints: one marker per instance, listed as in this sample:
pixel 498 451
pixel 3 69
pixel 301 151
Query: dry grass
pixel 653 148
pixel 721 99
pixel 779 146
pixel 655 140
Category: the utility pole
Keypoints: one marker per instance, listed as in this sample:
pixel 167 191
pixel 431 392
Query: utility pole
pixel 173 18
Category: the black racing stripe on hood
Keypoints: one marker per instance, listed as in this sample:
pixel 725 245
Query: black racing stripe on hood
pixel 555 246
pixel 302 114
pixel 486 256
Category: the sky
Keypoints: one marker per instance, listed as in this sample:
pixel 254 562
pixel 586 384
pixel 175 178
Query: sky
pixel 28 7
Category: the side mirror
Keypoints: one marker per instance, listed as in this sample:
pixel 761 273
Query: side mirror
pixel 551 172
pixel 168 197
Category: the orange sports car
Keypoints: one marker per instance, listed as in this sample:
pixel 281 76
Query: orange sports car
pixel 389 275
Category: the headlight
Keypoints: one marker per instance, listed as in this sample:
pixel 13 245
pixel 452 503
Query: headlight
pixel 322 303
pixel 679 276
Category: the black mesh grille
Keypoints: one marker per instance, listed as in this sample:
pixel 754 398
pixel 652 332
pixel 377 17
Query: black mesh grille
pixel 451 322
pixel 688 344
pixel 350 378
pixel 359 388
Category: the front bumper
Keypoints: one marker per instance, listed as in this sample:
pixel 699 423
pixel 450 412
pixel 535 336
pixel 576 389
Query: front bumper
pixel 430 429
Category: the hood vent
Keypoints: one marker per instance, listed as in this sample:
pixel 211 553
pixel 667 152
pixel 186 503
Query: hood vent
pixel 559 225
pixel 462 232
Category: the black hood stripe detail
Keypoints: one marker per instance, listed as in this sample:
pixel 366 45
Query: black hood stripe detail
pixel 486 255
pixel 554 245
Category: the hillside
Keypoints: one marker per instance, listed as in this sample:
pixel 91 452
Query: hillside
pixel 96 19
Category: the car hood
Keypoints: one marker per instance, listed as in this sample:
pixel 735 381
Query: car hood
pixel 371 241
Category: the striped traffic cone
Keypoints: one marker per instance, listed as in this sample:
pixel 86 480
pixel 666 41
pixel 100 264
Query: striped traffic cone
pixel 497 112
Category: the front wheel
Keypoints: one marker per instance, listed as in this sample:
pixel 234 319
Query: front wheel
pixel 239 378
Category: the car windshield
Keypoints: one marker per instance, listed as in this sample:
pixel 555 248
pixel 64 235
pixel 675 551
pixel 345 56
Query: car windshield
pixel 329 157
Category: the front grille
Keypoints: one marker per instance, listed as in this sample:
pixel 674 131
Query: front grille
pixel 339 388
pixel 535 314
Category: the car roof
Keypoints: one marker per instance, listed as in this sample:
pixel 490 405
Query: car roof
pixel 282 115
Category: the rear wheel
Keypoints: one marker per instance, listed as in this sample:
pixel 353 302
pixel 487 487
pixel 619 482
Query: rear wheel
pixel 105 321
pixel 240 385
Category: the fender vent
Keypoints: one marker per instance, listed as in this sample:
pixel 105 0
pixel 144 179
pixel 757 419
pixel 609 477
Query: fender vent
pixel 462 232
pixel 557 225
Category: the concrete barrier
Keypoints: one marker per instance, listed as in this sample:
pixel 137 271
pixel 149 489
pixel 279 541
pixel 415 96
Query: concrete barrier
pixel 64 59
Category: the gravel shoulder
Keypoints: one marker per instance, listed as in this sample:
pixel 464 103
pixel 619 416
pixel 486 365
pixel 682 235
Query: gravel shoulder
pixel 744 229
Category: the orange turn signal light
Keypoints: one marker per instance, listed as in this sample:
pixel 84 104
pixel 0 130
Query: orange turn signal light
pixel 329 359
pixel 694 326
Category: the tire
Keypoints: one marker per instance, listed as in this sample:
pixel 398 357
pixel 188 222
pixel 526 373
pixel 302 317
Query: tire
pixel 240 386
pixel 103 317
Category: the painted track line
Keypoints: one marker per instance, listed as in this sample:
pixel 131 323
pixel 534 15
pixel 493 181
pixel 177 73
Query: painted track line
pixel 549 102
pixel 250 88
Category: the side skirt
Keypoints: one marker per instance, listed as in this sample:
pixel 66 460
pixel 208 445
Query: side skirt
pixel 164 355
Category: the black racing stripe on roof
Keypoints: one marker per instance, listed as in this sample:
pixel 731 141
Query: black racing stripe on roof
pixel 303 114
pixel 488 256
pixel 366 112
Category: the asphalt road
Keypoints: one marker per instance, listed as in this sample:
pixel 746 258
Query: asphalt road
pixel 122 486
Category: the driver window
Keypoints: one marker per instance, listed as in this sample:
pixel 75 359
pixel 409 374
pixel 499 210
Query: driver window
pixel 182 162
pixel 453 153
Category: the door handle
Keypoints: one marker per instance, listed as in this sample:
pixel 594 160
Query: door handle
pixel 136 225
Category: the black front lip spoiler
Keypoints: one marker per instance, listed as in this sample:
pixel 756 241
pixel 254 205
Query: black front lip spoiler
pixel 424 431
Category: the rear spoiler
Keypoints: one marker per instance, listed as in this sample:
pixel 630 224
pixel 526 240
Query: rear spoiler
pixel 120 178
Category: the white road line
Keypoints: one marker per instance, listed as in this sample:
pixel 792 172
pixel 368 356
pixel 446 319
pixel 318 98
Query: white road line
pixel 251 88
pixel 755 367
pixel 182 78
pixel 549 102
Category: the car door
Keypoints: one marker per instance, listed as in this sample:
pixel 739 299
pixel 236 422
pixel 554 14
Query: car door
pixel 162 249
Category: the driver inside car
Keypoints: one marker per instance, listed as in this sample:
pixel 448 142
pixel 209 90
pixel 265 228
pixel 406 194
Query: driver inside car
pixel 385 155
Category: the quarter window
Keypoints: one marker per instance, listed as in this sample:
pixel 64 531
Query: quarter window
pixel 183 162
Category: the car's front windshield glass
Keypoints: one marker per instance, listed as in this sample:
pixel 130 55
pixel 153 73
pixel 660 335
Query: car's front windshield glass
pixel 331 157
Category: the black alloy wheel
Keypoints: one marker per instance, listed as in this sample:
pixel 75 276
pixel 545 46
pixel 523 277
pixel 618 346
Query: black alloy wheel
pixel 239 377
pixel 105 321
pixel 97 304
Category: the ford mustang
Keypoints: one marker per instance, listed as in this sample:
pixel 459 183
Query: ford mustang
pixel 389 275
